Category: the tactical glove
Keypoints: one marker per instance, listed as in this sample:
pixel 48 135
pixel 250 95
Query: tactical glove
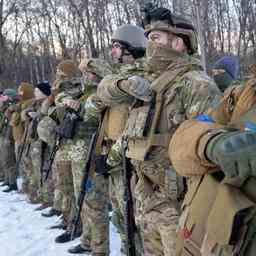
pixel 234 152
pixel 137 87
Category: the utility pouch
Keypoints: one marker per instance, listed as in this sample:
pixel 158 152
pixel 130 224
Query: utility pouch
pixel 227 215
pixel 101 165
pixel 32 130
pixel 137 122
pixel 68 126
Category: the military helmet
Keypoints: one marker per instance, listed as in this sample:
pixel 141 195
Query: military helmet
pixel 162 19
pixel 132 37
pixel 97 66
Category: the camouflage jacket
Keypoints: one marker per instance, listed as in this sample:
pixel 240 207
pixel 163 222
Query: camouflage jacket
pixel 188 93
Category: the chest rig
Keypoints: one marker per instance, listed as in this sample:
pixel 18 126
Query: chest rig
pixel 142 127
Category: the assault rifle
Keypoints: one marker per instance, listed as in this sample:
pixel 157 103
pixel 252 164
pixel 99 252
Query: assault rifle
pixel 65 130
pixel 129 221
pixel 42 156
pixel 82 193
pixel 21 149
pixel 52 156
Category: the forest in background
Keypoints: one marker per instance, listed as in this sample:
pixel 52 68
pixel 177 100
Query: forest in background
pixel 36 34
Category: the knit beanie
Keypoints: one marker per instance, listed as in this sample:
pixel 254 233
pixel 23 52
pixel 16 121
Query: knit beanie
pixel 44 87
pixel 28 91
pixel 230 64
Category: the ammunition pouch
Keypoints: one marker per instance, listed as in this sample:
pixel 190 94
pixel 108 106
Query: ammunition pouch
pixel 32 129
pixel 85 129
pixel 144 123
pixel 213 214
pixel 174 185
pixel 67 128
pixel 141 132
pixel 115 119
pixel 101 165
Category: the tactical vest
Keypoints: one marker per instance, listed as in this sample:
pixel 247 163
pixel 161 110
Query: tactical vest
pixel 142 127
pixel 217 212
pixel 114 121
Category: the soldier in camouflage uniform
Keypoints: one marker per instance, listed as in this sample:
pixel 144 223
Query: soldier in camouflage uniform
pixel 18 126
pixel 94 214
pixel 37 154
pixel 128 48
pixel 8 98
pixel 173 88
pixel 219 162
pixel 67 74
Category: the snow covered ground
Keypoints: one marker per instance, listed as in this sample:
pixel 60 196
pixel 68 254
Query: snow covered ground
pixel 24 232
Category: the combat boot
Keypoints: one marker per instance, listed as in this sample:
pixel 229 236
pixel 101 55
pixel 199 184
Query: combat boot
pixel 61 225
pixel 66 237
pixel 43 206
pixel 51 213
pixel 12 187
pixel 79 249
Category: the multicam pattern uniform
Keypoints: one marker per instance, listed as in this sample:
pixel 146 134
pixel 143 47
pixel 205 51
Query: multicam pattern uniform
pixel 190 93
pixel 18 126
pixel 8 160
pixel 114 160
pixel 3 129
pixel 33 159
pixel 95 212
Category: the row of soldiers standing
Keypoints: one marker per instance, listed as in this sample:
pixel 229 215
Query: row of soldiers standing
pixel 136 107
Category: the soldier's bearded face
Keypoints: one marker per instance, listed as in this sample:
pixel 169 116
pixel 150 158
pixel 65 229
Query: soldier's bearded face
pixel 167 39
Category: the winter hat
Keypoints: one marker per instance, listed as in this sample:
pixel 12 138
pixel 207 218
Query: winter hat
pixel 230 64
pixel 28 91
pixel 44 87
pixel 11 93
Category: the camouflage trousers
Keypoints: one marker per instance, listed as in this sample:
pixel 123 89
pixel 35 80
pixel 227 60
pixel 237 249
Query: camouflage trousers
pixel 116 189
pixel 64 198
pixel 2 173
pixel 45 190
pixel 95 216
pixel 156 213
pixel 32 175
pixel 9 161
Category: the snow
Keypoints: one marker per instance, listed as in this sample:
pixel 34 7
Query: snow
pixel 24 232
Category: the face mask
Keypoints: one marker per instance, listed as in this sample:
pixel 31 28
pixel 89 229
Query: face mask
pixel 223 81
pixel 160 57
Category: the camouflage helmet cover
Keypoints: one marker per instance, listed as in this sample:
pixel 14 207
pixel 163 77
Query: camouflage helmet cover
pixel 162 19
pixel 130 35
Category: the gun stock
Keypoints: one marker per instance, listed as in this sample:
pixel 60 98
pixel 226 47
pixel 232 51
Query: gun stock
pixel 82 192
pixel 128 207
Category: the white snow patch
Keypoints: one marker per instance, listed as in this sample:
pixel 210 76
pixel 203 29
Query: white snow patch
pixel 24 232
